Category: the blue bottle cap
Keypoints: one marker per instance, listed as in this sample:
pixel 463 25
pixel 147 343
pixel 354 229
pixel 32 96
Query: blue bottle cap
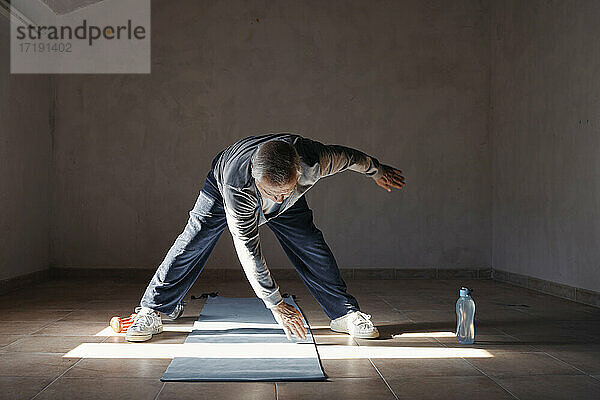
pixel 464 291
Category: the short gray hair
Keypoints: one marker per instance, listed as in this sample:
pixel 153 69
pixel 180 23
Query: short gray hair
pixel 277 161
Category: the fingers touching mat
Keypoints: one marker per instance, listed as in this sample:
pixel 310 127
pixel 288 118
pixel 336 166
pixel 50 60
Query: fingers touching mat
pixel 237 339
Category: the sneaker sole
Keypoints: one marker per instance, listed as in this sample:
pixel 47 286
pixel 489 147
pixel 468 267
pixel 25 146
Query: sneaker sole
pixel 370 336
pixel 340 330
pixel 143 338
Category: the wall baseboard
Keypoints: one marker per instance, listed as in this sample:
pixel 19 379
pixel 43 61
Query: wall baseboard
pixel 8 285
pixel 141 275
pixel 228 274
pixel 579 295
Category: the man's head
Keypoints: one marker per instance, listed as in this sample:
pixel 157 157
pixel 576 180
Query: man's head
pixel 276 168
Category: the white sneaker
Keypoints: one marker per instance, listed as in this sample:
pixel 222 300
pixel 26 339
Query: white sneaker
pixel 357 324
pixel 177 312
pixel 144 326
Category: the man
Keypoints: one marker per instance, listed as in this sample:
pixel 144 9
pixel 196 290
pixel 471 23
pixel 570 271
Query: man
pixel 258 180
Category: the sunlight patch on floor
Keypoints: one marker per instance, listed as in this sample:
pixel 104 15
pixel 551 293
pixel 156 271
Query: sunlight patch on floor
pixel 266 350
pixel 424 334
pixel 166 328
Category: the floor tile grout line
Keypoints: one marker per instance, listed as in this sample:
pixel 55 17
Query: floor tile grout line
pixel 160 391
pixel 570 365
pixel 46 326
pixel 5 346
pixel 71 367
pixel 401 312
pixel 540 350
pixel 56 379
pixel 384 381
pixel 83 378
pixel 482 372
pixel 23 336
pixel 492 379
pixel 55 321
pixel 537 349
pixel 38 352
pixel 64 372
pixel 379 372
pixel 5 349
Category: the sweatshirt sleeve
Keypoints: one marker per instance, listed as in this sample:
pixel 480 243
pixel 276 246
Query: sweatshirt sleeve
pixel 242 219
pixel 333 158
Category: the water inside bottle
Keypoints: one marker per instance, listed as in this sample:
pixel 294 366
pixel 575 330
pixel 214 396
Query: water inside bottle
pixel 465 317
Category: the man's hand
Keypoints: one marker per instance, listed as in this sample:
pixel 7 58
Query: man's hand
pixel 290 319
pixel 391 178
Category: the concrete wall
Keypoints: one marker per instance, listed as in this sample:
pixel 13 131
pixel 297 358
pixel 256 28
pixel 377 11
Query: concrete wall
pixel 25 146
pixel 546 140
pixel 405 81
pixel 408 82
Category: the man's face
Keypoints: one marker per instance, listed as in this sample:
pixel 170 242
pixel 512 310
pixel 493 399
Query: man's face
pixel 277 193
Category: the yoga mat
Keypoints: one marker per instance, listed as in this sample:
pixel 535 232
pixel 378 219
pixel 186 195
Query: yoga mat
pixel 237 339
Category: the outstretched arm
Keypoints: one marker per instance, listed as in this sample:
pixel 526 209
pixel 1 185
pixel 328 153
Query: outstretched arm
pixel 333 158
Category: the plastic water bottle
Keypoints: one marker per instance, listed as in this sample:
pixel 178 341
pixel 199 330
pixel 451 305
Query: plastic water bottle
pixel 465 317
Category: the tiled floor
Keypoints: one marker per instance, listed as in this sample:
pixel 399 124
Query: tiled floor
pixel 528 345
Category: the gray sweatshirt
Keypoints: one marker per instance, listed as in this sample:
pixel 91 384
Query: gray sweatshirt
pixel 246 209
